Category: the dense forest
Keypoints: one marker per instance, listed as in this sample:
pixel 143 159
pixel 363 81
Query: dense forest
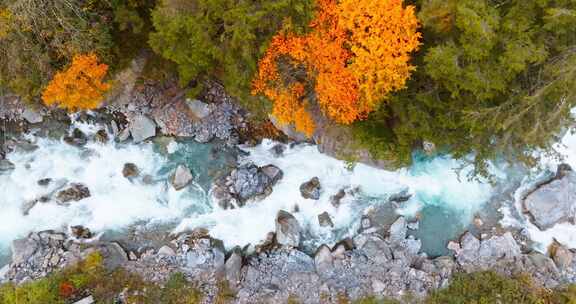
pixel 492 79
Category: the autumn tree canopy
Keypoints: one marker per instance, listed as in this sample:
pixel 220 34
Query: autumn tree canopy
pixel 80 86
pixel 354 55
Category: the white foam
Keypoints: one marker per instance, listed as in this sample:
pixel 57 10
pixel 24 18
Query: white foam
pixel 114 202
pixel 433 183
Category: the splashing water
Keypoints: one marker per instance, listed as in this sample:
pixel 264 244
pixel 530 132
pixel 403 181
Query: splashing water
pixel 116 202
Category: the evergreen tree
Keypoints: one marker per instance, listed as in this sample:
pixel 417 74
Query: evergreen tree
pixel 222 38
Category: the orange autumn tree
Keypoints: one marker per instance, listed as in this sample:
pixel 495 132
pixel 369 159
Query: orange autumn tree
pixel 356 53
pixel 80 87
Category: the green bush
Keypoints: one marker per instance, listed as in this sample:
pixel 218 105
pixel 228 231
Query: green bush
pixel 486 288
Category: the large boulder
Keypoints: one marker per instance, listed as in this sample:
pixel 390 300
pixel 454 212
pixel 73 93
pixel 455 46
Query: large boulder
pixel 398 230
pixel 141 128
pixel 311 189
pixel 181 178
pixel 287 229
pixel 553 202
pixel 233 266
pixel 323 260
pixel 22 250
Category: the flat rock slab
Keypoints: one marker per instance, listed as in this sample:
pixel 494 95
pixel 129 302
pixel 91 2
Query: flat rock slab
pixel 553 203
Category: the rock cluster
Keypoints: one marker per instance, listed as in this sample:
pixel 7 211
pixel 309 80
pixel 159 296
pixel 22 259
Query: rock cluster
pixel 371 263
pixel 246 182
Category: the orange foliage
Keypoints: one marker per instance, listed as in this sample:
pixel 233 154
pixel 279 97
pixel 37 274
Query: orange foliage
pixel 80 87
pixel 355 54
pixel 66 290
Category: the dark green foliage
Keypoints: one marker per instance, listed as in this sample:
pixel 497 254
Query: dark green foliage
pixel 222 38
pixel 39 37
pixel 495 79
pixel 488 287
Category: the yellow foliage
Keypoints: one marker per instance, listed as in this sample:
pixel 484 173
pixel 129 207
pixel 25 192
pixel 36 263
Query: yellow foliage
pixel 357 52
pixel 5 22
pixel 80 87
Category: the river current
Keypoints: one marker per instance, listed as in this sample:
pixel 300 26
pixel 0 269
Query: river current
pixel 443 198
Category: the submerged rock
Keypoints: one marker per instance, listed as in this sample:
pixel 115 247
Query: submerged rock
pixel 75 192
pixel 6 166
pixel 287 229
pixel 181 178
pixel 141 128
pixel 553 202
pixel 278 150
pixel 337 198
pixel 311 189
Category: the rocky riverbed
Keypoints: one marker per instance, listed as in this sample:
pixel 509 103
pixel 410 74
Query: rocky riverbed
pixel 161 186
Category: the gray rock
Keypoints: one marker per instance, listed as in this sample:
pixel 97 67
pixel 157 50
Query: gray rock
pixel 499 247
pixel 469 247
pixel 311 189
pixel 233 266
pixel 287 229
pixel 87 300
pixel 562 256
pixel 273 172
pixel 44 182
pixel 124 135
pixel 247 182
pixel 77 138
pixel 166 251
pixel 141 128
pixel 414 225
pixel 32 116
pixel 324 220
pixel 130 171
pixel 6 166
pixel 181 178
pixel 365 223
pixel 278 150
pixel 400 197
pixel 198 108
pixel 101 136
pixel 75 192
pixel 113 255
pixel 398 230
pixel 22 250
pixel 323 260
pixel 81 232
pixel 553 203
pixel 337 198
